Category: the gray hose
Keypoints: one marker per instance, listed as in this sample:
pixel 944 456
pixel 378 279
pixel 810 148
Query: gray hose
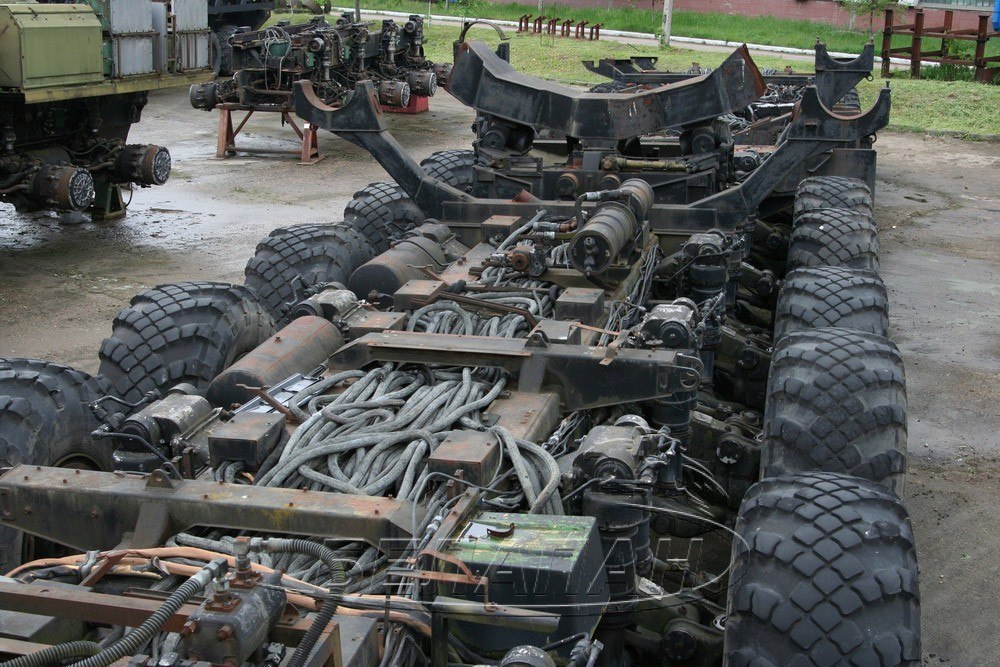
pixel 338 583
pixel 523 229
pixel 55 654
pixel 518 463
pixel 548 495
pixel 130 643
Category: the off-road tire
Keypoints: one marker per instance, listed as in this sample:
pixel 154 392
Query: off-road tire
pixel 836 402
pixel 849 103
pixel 453 167
pixel 225 57
pixel 831 296
pixel 817 192
pixel 45 420
pixel 382 213
pixel 44 415
pixel 182 332
pixel 824 573
pixel 292 261
pixel 833 237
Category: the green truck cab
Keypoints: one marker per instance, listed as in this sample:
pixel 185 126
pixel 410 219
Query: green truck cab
pixel 73 80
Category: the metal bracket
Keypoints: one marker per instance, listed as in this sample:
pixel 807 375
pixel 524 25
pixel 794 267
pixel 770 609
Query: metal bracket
pixel 813 129
pixel 360 121
pixel 833 77
pixel 581 374
pixel 159 479
pixel 463 576
pixel 488 84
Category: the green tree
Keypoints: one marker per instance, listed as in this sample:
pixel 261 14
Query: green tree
pixel 869 8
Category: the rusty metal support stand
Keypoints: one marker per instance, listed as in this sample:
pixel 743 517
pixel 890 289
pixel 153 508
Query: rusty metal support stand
pixel 524 23
pixel 887 43
pixel 308 137
pixel 227 135
pixel 310 145
pixel 915 53
pixel 984 73
pixel 580 29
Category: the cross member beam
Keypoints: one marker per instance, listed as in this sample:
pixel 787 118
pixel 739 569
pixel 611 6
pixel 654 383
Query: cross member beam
pixel 94 510
pixel 585 377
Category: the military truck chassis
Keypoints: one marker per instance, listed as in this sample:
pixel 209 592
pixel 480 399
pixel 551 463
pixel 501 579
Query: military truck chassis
pixel 452 430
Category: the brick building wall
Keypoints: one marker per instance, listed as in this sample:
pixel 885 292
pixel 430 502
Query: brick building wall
pixel 822 11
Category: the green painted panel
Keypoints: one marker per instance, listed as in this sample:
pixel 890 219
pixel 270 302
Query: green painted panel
pixel 538 540
pixel 45 46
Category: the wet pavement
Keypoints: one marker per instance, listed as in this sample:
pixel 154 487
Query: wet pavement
pixel 938 211
pixel 60 285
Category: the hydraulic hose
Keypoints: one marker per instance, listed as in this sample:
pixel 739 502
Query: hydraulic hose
pixel 130 643
pixel 338 583
pixel 547 496
pixel 55 654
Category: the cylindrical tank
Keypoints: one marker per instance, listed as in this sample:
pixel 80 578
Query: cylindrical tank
pixel 611 226
pixel 595 247
pixel 395 267
pixel 640 196
pixel 298 348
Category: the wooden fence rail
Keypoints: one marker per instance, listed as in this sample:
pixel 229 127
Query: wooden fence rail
pixel 981 35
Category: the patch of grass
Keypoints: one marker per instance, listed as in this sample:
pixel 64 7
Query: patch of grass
pixel 769 30
pixel 559 59
pixel 960 107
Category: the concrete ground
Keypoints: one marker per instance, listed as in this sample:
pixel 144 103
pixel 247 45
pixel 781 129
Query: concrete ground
pixel 939 214
pixel 938 209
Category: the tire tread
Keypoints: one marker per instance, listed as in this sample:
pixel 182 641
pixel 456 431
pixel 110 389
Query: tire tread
pixel 831 296
pixel 824 573
pixel 382 213
pixel 44 413
pixel 453 167
pixel 291 261
pixel 836 402
pixel 834 237
pixel 181 332
pixel 817 192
